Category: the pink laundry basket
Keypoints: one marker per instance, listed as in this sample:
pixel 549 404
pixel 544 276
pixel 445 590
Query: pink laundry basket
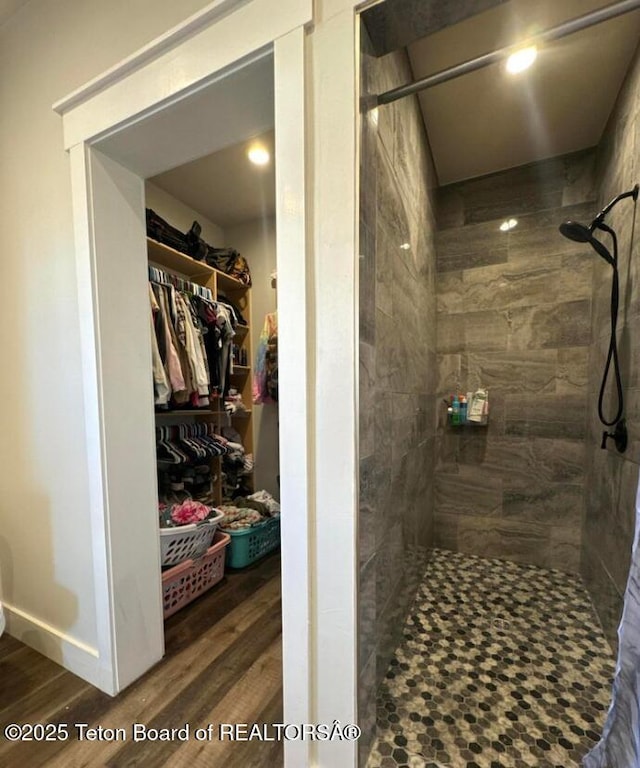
pixel 188 580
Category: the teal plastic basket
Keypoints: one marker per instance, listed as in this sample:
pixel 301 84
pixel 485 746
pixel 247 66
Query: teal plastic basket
pixel 253 543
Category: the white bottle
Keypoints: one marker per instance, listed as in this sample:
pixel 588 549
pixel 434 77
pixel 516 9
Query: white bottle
pixel 477 408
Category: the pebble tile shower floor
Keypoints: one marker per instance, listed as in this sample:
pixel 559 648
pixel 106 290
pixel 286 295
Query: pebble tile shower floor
pixel 500 666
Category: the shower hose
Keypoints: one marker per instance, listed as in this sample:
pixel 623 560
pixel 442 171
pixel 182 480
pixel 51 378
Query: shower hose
pixel 612 354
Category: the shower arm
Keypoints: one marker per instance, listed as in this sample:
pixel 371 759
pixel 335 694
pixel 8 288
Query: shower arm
pixel 600 217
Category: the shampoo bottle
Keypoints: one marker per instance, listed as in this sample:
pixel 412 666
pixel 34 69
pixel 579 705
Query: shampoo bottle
pixel 455 410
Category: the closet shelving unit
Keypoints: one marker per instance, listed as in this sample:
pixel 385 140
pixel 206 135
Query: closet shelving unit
pixel 221 286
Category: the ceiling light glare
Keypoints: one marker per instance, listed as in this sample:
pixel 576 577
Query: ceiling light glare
pixel 508 224
pixel 258 155
pixel 521 60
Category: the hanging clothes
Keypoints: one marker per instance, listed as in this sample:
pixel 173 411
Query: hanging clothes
pixel 265 378
pixel 162 389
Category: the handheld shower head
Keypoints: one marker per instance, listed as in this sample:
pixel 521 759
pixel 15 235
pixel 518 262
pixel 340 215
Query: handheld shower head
pixel 575 231
pixel 580 233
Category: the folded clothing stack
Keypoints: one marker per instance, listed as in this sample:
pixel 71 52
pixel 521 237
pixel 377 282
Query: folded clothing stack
pixel 247 511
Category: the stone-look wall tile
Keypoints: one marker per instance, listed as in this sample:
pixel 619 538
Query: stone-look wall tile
pixel 520 542
pixel 514 192
pixel 524 242
pixel 471 246
pixel 605 598
pixel 487 330
pixel 572 372
pixel 580 178
pixel 446 531
pixel 367 399
pixel 558 416
pixel 547 504
pixel 563 550
pixel 522 328
pixel 532 372
pixel 449 208
pixel 367 612
pixel 450 292
pixel 451 373
pixel 369 492
pixel 469 490
pixel 367 285
pixel 367 707
pixel 567 324
pixel 398 373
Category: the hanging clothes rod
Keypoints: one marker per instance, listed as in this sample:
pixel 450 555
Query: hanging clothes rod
pixel 480 62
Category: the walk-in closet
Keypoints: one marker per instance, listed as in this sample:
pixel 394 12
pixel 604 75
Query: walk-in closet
pixel 211 247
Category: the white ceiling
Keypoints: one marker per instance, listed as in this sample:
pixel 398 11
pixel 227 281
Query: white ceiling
pixel 224 186
pixel 9 7
pixel 489 120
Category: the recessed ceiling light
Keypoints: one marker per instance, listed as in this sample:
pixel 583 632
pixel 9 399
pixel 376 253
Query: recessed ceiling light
pixel 258 155
pixel 508 224
pixel 521 60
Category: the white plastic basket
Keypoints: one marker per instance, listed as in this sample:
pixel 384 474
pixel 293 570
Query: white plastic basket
pixel 187 541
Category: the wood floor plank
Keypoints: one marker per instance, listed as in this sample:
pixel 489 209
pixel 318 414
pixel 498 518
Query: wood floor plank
pixel 8 645
pixel 24 670
pixel 194 700
pixel 252 755
pixel 210 645
pixel 242 704
pixel 142 702
pixel 184 627
pixel 43 703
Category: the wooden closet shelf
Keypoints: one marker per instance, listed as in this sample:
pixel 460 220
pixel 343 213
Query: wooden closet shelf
pixel 165 256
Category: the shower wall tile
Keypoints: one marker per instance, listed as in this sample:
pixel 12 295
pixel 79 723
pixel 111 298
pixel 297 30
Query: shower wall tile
pixel 446 531
pixel 572 371
pixel 398 372
pixel 472 246
pixel 563 324
pixel 524 542
pixel 546 503
pixel 488 330
pixel 521 327
pixel 468 490
pixel 612 477
pixel 580 180
pixel 532 372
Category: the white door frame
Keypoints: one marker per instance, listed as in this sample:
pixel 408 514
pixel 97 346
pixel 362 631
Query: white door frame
pixel 317 318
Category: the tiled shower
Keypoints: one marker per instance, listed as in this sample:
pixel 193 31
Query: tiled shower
pixel 449 303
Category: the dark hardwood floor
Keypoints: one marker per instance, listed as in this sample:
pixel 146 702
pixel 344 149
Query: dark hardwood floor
pixel 223 663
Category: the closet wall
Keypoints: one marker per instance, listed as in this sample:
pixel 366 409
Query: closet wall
pixel 256 241
pixel 397 370
pixel 180 215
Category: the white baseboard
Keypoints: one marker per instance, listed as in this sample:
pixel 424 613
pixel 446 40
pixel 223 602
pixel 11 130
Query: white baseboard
pixel 72 654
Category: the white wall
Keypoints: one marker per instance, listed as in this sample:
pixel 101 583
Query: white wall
pixel 47 49
pixel 256 241
pixel 180 215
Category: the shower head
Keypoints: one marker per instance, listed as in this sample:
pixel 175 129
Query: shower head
pixel 579 233
pixel 575 231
